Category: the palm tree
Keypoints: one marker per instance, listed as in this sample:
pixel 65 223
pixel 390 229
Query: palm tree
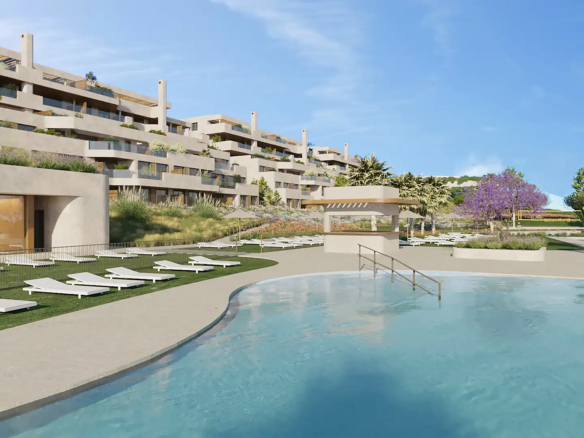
pixel 370 172
pixel 439 197
pixel 410 186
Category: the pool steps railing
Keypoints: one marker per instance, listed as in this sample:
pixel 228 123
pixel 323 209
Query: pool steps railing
pixel 376 263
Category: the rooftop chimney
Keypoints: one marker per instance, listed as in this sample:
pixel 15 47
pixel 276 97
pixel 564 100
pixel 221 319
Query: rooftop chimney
pixel 304 146
pixel 26 50
pixel 254 121
pixel 346 151
pixel 162 105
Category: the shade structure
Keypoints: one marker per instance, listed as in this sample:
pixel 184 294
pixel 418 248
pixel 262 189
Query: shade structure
pixel 451 216
pixel 407 214
pixel 239 214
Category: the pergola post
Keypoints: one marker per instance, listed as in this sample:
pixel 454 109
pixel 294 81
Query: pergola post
pixel 327 222
pixel 395 223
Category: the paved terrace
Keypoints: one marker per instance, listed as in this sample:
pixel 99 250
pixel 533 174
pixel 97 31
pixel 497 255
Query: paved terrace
pixel 54 358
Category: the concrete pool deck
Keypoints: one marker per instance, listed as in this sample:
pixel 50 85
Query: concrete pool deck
pixel 54 358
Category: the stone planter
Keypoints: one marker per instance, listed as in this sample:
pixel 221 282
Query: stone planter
pixel 500 254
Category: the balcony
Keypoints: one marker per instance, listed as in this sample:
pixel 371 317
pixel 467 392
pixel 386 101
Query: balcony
pixel 119 173
pixel 244 146
pixel 8 92
pixel 84 110
pixel 305 192
pixel 221 166
pixel 208 181
pixel 110 146
pixel 274 153
pixel 149 174
pixel 240 129
pixel 227 184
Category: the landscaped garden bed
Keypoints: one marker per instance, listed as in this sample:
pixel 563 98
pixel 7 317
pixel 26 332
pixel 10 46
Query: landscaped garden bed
pixel 511 248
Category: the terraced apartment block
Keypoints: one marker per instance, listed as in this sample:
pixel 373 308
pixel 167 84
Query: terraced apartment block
pixel 136 144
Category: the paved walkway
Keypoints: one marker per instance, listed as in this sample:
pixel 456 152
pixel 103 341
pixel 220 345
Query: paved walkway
pixel 51 359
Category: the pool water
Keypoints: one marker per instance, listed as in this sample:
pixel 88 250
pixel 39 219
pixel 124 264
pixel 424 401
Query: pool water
pixel 347 355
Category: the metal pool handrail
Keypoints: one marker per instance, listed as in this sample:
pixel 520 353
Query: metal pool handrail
pixel 393 271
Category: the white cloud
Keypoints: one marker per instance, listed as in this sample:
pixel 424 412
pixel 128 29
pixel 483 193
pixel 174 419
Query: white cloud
pixel 441 14
pixel 556 202
pixel 479 167
pixel 322 33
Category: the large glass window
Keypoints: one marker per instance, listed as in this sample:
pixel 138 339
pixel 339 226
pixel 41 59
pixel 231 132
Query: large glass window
pixel 12 225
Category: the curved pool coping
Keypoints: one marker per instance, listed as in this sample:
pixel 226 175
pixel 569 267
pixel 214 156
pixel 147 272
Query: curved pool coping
pixel 302 267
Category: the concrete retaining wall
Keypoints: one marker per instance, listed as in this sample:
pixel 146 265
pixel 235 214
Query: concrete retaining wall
pixel 500 254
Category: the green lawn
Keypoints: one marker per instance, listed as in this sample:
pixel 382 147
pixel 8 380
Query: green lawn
pixel 554 244
pixel 549 224
pixel 50 305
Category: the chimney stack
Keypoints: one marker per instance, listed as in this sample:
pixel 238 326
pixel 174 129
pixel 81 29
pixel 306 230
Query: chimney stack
pixel 162 105
pixel 346 151
pixel 26 50
pixel 304 146
pixel 254 121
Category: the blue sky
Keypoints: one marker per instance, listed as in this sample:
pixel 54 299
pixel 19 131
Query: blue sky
pixel 443 87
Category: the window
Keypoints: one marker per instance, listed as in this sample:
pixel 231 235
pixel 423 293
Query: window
pixel 278 184
pixel 161 168
pixel 193 172
pixel 195 126
pixel 160 196
pixel 179 169
pixel 146 195
pixel 25 127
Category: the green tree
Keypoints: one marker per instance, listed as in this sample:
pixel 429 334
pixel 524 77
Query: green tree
pixel 341 181
pixel 263 189
pixel 273 197
pixel 578 181
pixel 369 172
pixel 439 197
pixel 410 186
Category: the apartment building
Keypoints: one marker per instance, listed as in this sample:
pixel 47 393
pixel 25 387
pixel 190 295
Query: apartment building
pixel 136 144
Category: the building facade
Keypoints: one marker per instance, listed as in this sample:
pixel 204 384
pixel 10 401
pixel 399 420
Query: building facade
pixel 137 145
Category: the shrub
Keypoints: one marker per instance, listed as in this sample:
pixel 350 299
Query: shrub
pixel 14 157
pixel 205 153
pixel 157 131
pixel 130 205
pixel 211 146
pixel 206 207
pixel 4 66
pixel 158 146
pixel 512 243
pixel 79 115
pixel 284 159
pixel 121 166
pixel 300 162
pixel 72 134
pixel 171 211
pixel 178 149
pixel 6 124
pixel 48 132
pixel 123 125
pixel 10 86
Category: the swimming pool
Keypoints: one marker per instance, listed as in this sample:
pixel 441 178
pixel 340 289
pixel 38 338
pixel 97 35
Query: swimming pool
pixel 346 355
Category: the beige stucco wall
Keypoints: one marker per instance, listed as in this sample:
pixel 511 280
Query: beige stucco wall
pixel 349 244
pixel 76 204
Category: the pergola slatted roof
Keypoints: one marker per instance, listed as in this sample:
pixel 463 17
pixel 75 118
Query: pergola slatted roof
pixel 362 201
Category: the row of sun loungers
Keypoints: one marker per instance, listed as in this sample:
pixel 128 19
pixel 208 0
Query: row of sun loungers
pixel 85 284
pixel 449 239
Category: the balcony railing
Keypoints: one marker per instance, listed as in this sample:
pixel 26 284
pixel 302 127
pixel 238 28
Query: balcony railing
pixel 274 153
pixel 141 149
pixel 103 91
pixel 244 146
pixel 308 177
pixel 149 174
pixel 239 129
pixel 110 146
pixel 80 109
pixel 162 154
pixel 7 92
pixel 208 181
pixel 221 166
pixel 306 192
pixel 227 184
pixel 6 66
pixel 120 173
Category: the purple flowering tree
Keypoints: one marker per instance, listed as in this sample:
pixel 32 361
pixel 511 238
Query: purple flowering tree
pixel 500 196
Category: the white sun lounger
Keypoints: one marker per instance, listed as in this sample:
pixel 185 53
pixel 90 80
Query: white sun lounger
pixel 219 245
pixel 171 266
pixel 142 251
pixel 12 305
pixel 89 279
pixel 71 258
pixel 206 261
pixel 279 245
pixel 133 275
pixel 48 285
pixel 23 260
pixel 113 254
